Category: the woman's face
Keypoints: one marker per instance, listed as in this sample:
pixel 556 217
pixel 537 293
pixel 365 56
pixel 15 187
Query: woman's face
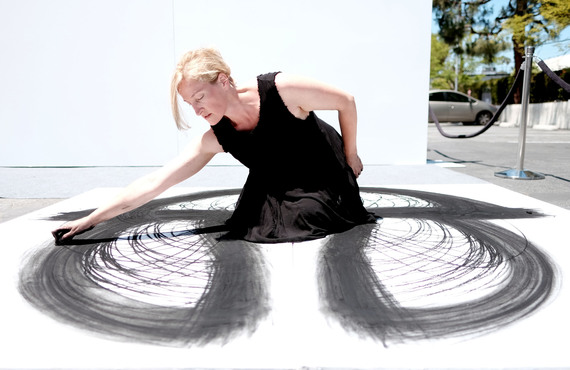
pixel 207 98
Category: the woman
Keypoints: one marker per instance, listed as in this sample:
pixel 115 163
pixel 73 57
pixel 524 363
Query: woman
pixel 302 179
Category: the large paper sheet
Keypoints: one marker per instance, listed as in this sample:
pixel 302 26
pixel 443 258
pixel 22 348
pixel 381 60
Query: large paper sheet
pixel 451 276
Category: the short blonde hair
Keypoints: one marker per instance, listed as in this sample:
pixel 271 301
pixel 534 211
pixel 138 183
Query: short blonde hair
pixel 204 64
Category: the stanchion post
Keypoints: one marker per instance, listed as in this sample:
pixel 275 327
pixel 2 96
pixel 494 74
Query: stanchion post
pixel 519 173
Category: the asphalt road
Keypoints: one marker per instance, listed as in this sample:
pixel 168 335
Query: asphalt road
pixel 546 152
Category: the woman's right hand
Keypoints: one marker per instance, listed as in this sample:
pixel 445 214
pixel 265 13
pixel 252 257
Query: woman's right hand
pixel 67 231
pixel 194 157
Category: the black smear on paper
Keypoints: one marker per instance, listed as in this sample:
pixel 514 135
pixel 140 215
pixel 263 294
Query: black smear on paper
pixel 352 292
pixel 65 282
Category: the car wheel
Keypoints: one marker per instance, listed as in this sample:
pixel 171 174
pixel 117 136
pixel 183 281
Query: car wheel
pixel 483 118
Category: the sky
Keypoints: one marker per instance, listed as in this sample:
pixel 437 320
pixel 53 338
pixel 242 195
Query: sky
pixel 548 50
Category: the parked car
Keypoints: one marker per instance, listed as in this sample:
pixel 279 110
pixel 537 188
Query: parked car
pixel 454 106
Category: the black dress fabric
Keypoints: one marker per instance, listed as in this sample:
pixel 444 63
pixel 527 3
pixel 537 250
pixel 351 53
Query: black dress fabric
pixel 299 185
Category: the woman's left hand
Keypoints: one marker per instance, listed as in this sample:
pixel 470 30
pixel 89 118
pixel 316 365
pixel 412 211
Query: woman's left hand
pixel 355 163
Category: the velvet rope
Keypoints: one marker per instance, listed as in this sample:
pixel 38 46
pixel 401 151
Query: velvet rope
pixel 491 122
pixel 563 84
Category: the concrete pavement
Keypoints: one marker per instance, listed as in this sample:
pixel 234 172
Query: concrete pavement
pixel 547 152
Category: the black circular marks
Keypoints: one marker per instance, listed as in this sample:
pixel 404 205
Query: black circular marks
pixel 434 266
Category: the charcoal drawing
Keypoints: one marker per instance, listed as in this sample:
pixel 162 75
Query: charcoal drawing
pixel 478 255
pixel 434 266
pixel 92 285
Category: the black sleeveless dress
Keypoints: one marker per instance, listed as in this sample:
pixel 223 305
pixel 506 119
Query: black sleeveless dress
pixel 299 185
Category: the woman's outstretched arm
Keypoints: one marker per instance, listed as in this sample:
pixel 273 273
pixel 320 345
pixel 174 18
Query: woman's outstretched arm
pixel 194 157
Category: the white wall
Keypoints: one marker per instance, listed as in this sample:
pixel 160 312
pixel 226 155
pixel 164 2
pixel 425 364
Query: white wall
pixel 546 116
pixel 86 82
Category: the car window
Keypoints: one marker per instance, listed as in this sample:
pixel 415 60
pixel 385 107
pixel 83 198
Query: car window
pixel 437 96
pixel 451 96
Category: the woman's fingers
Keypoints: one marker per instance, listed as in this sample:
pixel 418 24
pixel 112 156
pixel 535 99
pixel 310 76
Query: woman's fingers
pixel 69 230
pixel 356 164
pixel 60 233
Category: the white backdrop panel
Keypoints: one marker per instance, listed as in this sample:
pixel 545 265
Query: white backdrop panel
pixel 86 82
pixel 356 45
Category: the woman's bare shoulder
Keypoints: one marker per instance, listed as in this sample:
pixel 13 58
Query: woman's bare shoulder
pixel 293 89
pixel 209 142
pixel 285 80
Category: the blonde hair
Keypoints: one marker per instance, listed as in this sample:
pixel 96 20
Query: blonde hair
pixel 204 64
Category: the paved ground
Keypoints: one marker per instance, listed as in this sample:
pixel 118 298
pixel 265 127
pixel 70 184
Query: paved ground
pixel 23 190
pixel 547 152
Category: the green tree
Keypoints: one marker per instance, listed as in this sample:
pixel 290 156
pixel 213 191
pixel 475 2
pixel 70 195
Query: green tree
pixel 470 26
pixel 439 74
pixel 533 22
pixel 467 26
pixel 443 68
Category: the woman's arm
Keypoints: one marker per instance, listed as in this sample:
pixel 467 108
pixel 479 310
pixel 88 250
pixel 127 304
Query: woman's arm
pixel 194 157
pixel 302 95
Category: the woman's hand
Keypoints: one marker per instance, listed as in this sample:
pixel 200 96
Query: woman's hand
pixel 196 155
pixel 67 231
pixel 355 163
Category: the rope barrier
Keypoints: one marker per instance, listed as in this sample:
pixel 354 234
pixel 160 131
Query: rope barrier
pixel 491 122
pixel 554 77
pixel 497 114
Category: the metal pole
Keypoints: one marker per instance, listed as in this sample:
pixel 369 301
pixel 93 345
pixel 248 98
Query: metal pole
pixel 529 51
pixel 519 172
